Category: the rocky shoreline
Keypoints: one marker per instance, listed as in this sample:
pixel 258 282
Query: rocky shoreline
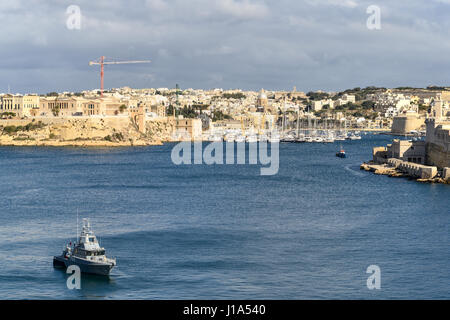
pixel 82 132
pixel 390 171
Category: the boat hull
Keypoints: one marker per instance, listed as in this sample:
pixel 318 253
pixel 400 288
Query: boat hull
pixel 59 262
pixel 90 267
pixel 102 269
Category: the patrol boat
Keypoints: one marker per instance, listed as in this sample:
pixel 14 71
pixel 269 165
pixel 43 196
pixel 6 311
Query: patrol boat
pixel 86 254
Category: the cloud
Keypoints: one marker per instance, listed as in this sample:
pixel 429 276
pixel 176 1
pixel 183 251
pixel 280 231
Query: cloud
pixel 340 3
pixel 243 8
pixel 221 50
pixel 156 4
pixel 321 44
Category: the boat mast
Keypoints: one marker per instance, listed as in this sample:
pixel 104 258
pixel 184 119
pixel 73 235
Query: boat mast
pixel 77 226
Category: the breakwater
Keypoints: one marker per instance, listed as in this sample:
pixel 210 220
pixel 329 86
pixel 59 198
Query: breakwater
pixel 398 168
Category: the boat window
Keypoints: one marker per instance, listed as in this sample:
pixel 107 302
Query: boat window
pixel 91 239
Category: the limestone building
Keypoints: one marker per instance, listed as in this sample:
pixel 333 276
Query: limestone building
pixel 262 104
pixel 22 106
pixel 438 143
pixel 407 122
pixel 188 128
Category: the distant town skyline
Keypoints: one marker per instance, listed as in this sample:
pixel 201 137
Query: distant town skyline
pixel 173 88
pixel 229 44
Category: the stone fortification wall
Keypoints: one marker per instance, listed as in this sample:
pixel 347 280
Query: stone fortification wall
pixel 413 169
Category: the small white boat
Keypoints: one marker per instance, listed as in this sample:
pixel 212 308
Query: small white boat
pixel 251 139
pixel 274 140
pixel 288 138
pixel 230 138
pixel 215 138
pixel 263 138
pixel 354 137
pixel 318 139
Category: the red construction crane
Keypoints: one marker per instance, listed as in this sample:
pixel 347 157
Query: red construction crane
pixel 102 62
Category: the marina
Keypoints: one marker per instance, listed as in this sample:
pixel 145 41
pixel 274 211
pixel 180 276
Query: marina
pixel 309 136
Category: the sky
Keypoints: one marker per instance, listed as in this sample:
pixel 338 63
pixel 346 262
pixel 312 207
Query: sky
pixel 229 44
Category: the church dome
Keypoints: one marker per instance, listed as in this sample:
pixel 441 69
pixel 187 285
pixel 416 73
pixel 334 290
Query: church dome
pixel 262 95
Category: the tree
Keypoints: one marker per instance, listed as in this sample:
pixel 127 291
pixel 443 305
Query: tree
pixel 373 115
pixel 237 95
pixel 200 106
pixel 170 110
pixel 188 112
pixel 317 95
pixel 368 105
pixel 122 108
pixel 219 115
pixel 423 107
pixel 55 111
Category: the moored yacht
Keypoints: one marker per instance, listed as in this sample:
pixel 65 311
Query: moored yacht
pixel 230 138
pixel 318 139
pixel 215 138
pixel 239 139
pixel 251 138
pixel 274 138
pixel 354 137
pixel 288 138
pixel 300 138
pixel 263 138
